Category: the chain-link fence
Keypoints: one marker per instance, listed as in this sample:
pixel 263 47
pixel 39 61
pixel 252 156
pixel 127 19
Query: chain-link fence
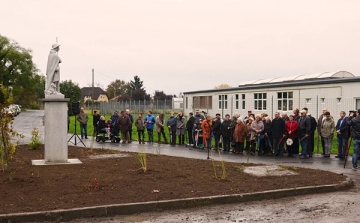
pixel 156 106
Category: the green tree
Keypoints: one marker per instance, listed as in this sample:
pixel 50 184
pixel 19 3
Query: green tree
pixel 117 88
pixel 160 95
pixel 137 84
pixel 139 95
pixel 18 70
pixel 70 90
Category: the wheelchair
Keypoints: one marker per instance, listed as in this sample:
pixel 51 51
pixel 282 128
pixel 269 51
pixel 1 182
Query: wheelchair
pixel 103 135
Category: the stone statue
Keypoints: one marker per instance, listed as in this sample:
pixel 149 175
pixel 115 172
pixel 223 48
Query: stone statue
pixel 53 72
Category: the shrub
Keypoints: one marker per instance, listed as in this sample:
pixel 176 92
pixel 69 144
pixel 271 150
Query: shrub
pixel 35 141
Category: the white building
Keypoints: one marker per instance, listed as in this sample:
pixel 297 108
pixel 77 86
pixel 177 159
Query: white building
pixel 336 91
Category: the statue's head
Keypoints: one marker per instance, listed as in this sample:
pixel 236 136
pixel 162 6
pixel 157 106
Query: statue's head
pixel 55 46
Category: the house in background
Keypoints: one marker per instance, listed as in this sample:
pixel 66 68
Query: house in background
pixel 99 94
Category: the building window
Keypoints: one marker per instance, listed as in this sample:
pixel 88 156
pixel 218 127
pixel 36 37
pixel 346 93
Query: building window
pixel 186 102
pixel 285 101
pixel 223 101
pixel 236 101
pixel 322 100
pixel 243 100
pixel 202 102
pixel 308 100
pixel 338 100
pixel 260 101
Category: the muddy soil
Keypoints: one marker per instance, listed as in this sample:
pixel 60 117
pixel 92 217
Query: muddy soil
pixel 121 180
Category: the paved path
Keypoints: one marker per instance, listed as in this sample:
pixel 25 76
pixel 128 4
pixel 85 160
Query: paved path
pixel 333 207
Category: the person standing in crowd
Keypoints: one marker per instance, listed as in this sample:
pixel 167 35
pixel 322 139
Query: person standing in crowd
pixel 140 126
pixel 171 123
pixel 124 125
pixel 295 145
pixel 284 116
pixel 239 136
pixel 311 137
pixel 217 130
pixel 327 132
pixel 132 121
pixel 320 120
pixel 250 145
pixel 232 128
pixel 83 119
pixel 246 117
pixel 114 123
pixel 160 127
pixel 304 130
pixel 268 136
pixel 342 132
pixel 150 121
pixel 291 130
pixel 354 122
pixel 278 130
pixel 226 133
pixel 197 123
pixel 296 112
pixel 206 127
pixel 180 128
pixel 96 118
pixel 189 128
pixel 257 129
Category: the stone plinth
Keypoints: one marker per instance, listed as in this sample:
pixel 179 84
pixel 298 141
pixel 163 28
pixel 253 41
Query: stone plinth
pixel 56 147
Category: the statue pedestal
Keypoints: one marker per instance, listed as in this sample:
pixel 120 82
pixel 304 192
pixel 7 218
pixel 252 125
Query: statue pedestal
pixel 56 146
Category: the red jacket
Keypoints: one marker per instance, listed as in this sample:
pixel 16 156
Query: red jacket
pixel 291 126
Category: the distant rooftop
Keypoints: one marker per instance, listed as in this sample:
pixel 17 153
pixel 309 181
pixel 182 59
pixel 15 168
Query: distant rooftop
pixel 338 74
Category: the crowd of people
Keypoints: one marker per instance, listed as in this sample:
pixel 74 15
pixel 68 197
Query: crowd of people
pixel 284 134
pixel 292 134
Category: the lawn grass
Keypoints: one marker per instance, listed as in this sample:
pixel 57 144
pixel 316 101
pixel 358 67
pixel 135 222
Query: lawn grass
pixel 317 149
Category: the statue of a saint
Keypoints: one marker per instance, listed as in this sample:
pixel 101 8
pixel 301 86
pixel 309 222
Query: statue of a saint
pixel 53 71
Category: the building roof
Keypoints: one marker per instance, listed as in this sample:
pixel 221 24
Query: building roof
pixel 87 91
pixel 298 80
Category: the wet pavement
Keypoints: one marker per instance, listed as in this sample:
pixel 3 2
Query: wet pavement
pixel 331 207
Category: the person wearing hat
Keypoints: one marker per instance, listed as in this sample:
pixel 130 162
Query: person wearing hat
pixel 304 130
pixel 53 71
pixel 217 130
pixel 226 133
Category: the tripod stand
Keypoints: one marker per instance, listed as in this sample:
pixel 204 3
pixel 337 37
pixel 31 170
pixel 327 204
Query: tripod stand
pixel 75 135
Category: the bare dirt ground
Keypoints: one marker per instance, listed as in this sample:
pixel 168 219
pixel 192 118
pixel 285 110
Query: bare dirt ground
pixel 120 180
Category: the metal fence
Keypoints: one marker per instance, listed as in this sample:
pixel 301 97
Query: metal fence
pixel 156 106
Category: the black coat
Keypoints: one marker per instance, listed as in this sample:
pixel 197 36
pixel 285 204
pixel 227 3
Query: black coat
pixel 355 124
pixel 190 123
pixel 217 127
pixel 225 131
pixel 278 128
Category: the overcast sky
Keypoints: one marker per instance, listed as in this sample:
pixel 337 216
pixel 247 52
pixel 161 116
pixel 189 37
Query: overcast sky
pixel 178 46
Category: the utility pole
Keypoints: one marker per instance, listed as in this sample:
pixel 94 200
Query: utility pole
pixel 92 93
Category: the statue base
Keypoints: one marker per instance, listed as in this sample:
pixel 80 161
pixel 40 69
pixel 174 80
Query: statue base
pixel 56 118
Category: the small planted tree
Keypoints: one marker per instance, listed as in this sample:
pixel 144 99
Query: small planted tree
pixel 7 145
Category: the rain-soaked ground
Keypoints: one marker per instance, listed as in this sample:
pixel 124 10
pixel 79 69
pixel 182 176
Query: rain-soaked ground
pixel 320 208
